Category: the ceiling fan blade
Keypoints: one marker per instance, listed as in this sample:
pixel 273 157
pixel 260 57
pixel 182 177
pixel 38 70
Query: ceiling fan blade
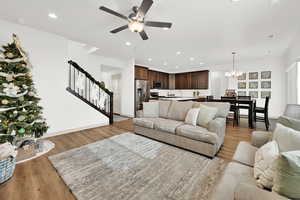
pixel 113 12
pixel 143 9
pixel 144 35
pixel 119 29
pixel 158 24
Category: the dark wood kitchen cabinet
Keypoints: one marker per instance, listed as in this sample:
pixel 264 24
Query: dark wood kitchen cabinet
pixel 199 80
pixel 158 77
pixel 141 73
pixel 182 81
pixel 192 80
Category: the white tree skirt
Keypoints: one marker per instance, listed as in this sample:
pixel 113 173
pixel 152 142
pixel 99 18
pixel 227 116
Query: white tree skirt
pixel 47 146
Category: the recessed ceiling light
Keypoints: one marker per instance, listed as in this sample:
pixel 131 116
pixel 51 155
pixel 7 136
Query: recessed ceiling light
pixel 128 43
pixel 201 63
pixel 192 59
pixel 235 0
pixel 271 36
pixel 52 15
pixel 165 63
pixel 178 52
pixel 176 67
pixel 92 50
pixel 149 59
pixel 166 28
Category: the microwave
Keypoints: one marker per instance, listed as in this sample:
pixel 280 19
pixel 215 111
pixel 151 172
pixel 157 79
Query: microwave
pixel 156 85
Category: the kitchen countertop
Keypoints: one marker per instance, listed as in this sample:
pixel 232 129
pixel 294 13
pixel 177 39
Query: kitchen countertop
pixel 176 98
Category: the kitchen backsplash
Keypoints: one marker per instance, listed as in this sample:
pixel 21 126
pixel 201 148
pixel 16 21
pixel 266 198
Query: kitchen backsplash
pixel 181 93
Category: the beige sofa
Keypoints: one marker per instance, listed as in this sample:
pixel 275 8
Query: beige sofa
pixel 238 181
pixel 169 127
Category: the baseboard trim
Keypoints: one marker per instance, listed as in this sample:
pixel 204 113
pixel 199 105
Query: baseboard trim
pixel 48 135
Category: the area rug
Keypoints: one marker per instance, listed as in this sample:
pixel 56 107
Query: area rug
pixel 132 167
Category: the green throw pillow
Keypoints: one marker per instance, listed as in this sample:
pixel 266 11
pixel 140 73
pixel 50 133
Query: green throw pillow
pixel 287 175
pixel 289 122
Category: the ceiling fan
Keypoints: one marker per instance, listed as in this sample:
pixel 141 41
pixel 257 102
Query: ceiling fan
pixel 136 20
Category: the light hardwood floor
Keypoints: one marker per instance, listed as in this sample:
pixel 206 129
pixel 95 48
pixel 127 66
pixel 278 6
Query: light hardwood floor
pixel 38 180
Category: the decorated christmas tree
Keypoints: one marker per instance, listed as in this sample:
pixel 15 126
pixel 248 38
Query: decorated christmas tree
pixel 20 114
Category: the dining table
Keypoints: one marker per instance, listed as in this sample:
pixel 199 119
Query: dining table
pixel 249 103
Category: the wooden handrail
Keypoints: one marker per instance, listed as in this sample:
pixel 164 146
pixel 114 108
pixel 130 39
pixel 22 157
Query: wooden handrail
pixel 87 99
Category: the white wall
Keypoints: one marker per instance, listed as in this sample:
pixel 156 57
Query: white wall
pixel 276 65
pixel 49 54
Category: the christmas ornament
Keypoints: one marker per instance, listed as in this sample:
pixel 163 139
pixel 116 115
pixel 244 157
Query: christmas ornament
pixel 4 101
pixel 13 133
pixel 21 130
pixel 21 118
pixel 15 112
pixel 25 87
pixel 10 89
pixel 10 78
pixel 31 94
pixel 9 55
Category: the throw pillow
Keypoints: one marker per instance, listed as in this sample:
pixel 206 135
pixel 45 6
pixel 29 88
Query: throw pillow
pixel 192 115
pixel 151 109
pixel 289 122
pixel 287 175
pixel 288 139
pixel 265 157
pixel 164 107
pixel 178 110
pixel 206 114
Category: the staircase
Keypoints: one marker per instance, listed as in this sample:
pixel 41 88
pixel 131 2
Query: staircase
pixel 90 91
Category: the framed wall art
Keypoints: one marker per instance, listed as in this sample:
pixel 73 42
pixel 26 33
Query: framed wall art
pixel 266 85
pixel 265 94
pixel 242 93
pixel 243 77
pixel 253 75
pixel 253 85
pixel 253 94
pixel 266 75
pixel 242 85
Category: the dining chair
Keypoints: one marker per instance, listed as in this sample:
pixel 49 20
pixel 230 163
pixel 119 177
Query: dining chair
pixel 233 109
pixel 243 106
pixel 265 111
pixel 209 98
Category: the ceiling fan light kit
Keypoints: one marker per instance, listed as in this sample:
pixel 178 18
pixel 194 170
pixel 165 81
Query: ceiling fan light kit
pixel 136 26
pixel 136 20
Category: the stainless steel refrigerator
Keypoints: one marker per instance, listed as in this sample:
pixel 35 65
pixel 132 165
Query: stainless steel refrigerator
pixel 142 94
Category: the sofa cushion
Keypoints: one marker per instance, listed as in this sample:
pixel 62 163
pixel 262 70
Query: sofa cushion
pixel 151 109
pixel 264 169
pixel 223 108
pixel 164 107
pixel 197 133
pixel 192 116
pixel 206 114
pixel 245 154
pixel 289 122
pixel 145 122
pixel 178 110
pixel 287 175
pixel 234 174
pixel 167 125
pixel 288 139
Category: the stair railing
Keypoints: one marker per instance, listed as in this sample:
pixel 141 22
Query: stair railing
pixel 85 87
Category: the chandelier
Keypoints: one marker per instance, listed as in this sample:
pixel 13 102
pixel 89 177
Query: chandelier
pixel 234 73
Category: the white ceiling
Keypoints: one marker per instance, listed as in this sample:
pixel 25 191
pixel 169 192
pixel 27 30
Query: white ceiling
pixel 207 30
